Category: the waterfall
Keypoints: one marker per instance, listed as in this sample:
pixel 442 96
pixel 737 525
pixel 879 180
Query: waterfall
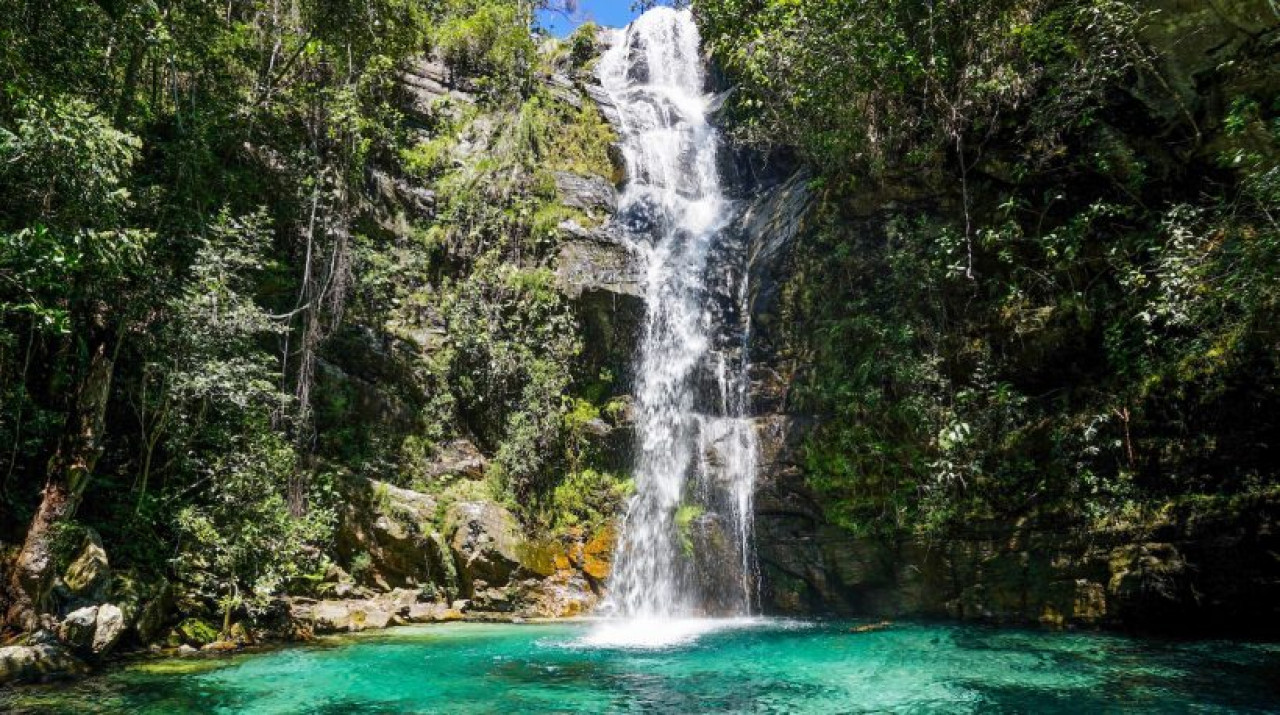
pixel 684 547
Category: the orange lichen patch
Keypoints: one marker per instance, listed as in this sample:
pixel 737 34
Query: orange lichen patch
pixel 597 554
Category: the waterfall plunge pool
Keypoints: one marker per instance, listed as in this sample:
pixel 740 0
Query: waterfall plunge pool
pixel 736 665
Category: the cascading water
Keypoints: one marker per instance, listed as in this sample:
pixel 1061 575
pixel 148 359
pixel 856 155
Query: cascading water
pixel 684 549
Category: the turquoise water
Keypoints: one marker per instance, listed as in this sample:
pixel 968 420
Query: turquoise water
pixel 770 667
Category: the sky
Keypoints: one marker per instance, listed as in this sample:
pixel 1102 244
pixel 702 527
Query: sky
pixel 611 13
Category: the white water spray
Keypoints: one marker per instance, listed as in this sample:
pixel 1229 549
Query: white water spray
pixel 684 549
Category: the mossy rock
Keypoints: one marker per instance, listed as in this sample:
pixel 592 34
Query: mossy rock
pixel 542 556
pixel 194 632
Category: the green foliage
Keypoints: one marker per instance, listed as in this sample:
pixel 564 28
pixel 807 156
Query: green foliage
pixel 243 532
pixel 582 44
pixel 1012 304
pixel 686 514
pixel 587 499
pixel 65 164
pixel 875 85
pixel 488 40
pixel 186 189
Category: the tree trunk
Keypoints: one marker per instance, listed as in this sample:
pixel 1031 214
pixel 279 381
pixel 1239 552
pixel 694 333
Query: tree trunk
pixel 69 470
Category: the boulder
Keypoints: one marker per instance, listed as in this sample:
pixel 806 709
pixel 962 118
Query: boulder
pixel 385 529
pixel 194 632
pixel 329 616
pixel 484 539
pixel 565 595
pixel 334 616
pixel 495 600
pixel 154 614
pixel 240 634
pixel 458 458
pixel 93 630
pixel 90 572
pixel 76 631
pixel 370 617
pixel 37 662
pixel 109 626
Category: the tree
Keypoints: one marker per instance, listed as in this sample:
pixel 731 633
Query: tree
pixel 66 167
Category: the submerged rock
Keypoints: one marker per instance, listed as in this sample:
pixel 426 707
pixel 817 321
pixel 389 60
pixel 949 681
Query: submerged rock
pixel 24 663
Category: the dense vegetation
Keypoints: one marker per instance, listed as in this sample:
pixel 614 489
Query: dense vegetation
pixel 192 241
pixel 1056 257
pixel 239 269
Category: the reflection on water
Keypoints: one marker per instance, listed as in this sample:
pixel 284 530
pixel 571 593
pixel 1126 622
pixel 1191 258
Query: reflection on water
pixel 756 666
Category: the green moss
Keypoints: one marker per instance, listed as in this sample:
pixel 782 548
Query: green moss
pixel 685 516
pixel 196 632
pixel 179 666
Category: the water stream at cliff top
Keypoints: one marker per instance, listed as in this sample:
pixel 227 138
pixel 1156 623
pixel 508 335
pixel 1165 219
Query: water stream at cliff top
pixel 684 550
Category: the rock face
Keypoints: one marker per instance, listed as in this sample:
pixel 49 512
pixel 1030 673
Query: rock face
pixel 1187 571
pixel 458 458
pixel 386 531
pixel 484 538
pixel 591 194
pixel 1196 571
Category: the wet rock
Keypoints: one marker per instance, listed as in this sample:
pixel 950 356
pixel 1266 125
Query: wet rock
pixel 29 663
pixel 772 224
